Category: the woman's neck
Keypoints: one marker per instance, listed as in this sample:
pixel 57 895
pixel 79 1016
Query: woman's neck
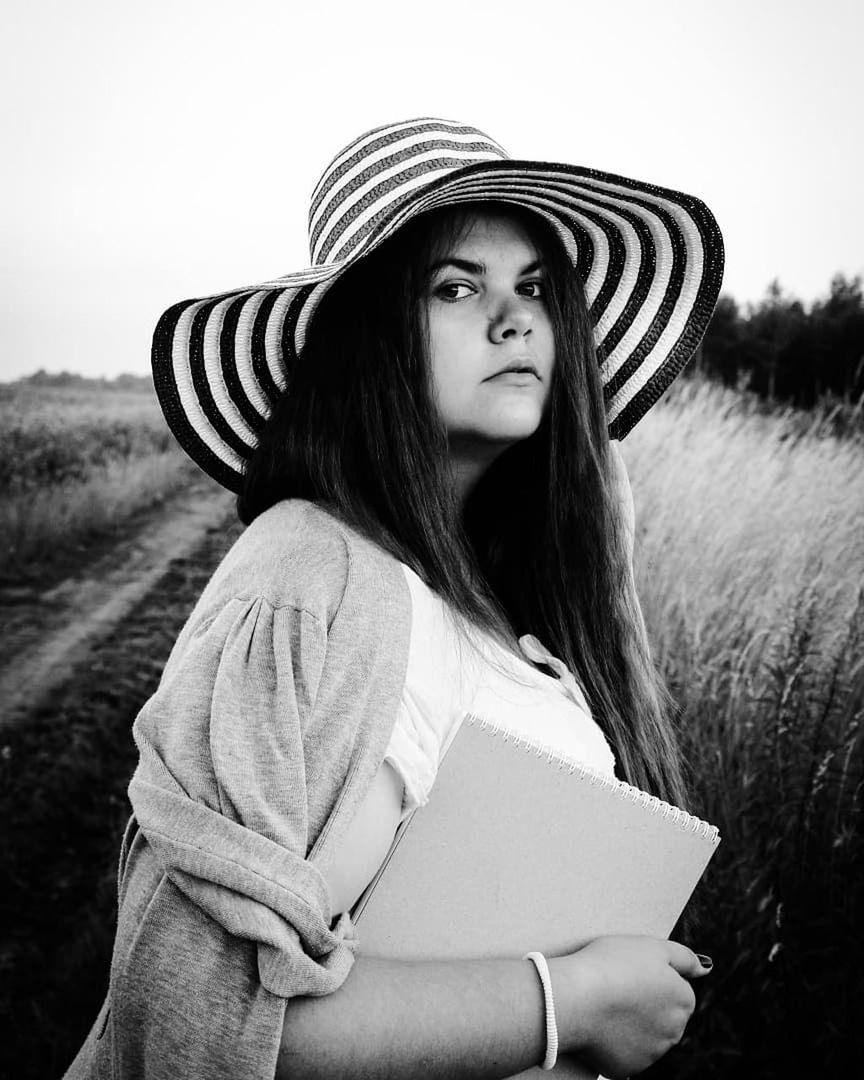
pixel 468 464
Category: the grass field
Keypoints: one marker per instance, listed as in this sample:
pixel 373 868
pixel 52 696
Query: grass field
pixel 63 779
pixel 750 558
pixel 75 462
pixel 751 570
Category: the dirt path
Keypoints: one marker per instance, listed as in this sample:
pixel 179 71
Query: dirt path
pixel 48 634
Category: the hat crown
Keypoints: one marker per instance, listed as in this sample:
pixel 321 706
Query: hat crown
pixel 379 172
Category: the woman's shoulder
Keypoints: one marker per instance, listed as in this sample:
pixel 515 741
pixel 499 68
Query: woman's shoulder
pixel 299 554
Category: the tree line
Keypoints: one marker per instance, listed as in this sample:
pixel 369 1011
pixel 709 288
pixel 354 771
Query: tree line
pixel 70 380
pixel 785 352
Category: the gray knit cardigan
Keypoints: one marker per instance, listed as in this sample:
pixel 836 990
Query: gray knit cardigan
pixel 270 721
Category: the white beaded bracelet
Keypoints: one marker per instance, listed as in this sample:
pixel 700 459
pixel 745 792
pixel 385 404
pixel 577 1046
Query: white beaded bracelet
pixel 539 961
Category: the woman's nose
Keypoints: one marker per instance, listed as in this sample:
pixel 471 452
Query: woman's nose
pixel 511 319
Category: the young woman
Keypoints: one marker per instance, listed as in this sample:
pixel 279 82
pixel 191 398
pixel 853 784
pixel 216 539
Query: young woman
pixel 419 428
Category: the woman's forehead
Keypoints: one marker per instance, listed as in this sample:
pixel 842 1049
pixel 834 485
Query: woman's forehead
pixel 462 230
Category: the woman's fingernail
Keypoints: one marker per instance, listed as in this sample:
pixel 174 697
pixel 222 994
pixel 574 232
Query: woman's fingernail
pixel 705 961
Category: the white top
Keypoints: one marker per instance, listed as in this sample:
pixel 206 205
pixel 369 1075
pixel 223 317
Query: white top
pixel 451 674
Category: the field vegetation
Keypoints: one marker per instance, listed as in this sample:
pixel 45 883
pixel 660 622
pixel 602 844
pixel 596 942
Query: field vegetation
pixel 750 533
pixel 77 459
pixel 751 574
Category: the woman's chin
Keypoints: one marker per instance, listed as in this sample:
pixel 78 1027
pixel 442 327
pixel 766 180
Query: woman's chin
pixel 514 429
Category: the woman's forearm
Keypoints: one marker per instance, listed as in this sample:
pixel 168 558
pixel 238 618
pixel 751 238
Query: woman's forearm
pixel 621 1002
pixel 473 1018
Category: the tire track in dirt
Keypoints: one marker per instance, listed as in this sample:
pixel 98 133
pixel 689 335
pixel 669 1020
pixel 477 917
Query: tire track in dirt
pixel 67 622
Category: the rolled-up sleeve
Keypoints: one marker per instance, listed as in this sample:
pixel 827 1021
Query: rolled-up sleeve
pixel 271 718
pixel 220 792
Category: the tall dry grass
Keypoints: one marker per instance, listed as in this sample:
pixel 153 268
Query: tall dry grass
pixel 38 527
pixel 751 568
pixel 75 463
pixel 50 435
pixel 750 559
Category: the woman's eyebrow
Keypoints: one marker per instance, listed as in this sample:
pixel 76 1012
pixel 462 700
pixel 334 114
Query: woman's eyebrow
pixel 469 267
pixel 459 264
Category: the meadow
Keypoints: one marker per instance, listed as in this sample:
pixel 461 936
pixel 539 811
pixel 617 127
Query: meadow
pixel 750 562
pixel 76 461
pixel 750 552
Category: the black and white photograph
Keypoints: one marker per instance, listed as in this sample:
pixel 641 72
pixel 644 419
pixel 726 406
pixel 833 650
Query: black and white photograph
pixel 432 541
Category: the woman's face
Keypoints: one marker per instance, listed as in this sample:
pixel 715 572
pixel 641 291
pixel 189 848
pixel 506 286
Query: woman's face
pixel 491 343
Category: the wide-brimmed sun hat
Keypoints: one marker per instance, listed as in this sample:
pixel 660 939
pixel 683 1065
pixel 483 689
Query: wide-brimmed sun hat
pixel 650 259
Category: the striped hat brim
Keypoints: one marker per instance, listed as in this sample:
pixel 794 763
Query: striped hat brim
pixel 650 259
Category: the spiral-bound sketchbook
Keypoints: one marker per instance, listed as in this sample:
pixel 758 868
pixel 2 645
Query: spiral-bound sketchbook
pixel 519 849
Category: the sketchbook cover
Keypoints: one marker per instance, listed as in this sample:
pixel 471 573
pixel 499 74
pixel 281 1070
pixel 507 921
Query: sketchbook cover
pixel 519 849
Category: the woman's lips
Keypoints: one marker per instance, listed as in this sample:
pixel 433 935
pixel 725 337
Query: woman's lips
pixel 516 377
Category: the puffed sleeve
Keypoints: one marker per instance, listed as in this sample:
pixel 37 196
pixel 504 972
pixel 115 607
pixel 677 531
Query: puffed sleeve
pixel 266 731
pixel 221 789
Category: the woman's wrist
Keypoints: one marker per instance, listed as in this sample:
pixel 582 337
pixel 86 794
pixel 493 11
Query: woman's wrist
pixel 540 963
pixel 572 1002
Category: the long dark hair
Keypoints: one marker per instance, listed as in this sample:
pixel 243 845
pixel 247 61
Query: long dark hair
pixel 539 546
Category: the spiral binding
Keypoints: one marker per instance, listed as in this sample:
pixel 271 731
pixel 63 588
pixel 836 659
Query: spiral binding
pixel 554 757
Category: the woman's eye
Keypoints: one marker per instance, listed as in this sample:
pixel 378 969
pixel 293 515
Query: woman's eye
pixel 453 290
pixel 535 289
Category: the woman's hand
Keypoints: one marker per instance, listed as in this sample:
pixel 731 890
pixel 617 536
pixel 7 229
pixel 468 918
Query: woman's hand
pixel 623 1001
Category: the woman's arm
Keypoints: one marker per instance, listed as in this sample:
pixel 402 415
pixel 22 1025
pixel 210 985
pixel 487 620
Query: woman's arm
pixel 397 1019
pixel 366 840
pixel 621 1002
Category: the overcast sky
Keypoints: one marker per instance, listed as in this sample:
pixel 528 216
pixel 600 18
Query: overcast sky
pixel 160 150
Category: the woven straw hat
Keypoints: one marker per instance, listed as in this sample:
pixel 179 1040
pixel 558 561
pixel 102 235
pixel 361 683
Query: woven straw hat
pixel 650 259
